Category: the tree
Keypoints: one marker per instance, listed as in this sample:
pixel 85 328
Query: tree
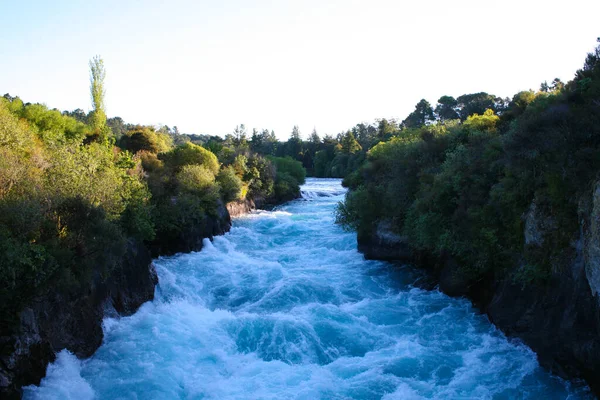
pixel 78 114
pixel 446 108
pixel 521 100
pixel 593 59
pixel 256 141
pixel 314 138
pixel 321 164
pixel 143 138
pixel 314 141
pixel 116 125
pixel 195 179
pixel 482 123
pixel 271 142
pixel 366 134
pixel 240 136
pixel 192 154
pixel 349 143
pixel 475 103
pixel 421 116
pixel 230 184
pixel 295 133
pixel 557 84
pixel 97 92
pixel 294 144
pixel 385 129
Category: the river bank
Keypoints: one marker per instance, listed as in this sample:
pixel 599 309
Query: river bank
pixel 283 306
pixel 55 322
pixel 558 318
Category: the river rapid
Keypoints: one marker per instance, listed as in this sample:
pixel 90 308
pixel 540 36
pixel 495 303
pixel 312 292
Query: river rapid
pixel 284 307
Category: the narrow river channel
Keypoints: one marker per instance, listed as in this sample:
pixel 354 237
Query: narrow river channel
pixel 284 307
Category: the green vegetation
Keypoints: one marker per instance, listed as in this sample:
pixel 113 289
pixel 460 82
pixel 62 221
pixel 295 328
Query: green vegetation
pixel 290 174
pixel 462 186
pixel 457 179
pixel 66 208
pixel 76 188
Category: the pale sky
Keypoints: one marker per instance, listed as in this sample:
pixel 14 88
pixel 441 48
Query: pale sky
pixel 207 66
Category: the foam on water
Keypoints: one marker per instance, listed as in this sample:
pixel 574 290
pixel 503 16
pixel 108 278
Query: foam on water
pixel 284 307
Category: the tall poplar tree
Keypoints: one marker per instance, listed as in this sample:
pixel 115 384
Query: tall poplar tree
pixel 97 92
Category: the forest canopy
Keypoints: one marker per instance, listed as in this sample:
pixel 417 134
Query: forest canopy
pixel 460 180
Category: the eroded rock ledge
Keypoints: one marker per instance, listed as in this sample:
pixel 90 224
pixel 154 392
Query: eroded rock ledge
pixel 56 321
pixel 559 318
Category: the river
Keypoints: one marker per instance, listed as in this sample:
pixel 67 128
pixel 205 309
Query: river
pixel 284 307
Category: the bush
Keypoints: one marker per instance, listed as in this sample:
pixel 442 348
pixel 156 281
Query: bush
pixel 62 248
pixel 286 187
pixel 230 183
pixel 150 161
pixel 14 134
pixel 462 190
pixel 192 154
pixel 355 211
pixel 194 179
pixel 261 177
pixel 287 165
pixel 146 139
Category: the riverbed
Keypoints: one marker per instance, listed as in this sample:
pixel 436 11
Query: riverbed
pixel 285 307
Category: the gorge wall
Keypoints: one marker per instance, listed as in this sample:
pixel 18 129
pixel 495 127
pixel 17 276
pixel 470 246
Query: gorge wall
pixel 558 318
pixel 72 319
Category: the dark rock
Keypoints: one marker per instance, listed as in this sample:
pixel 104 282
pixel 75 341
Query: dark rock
pixel 240 207
pixel 55 320
pixel 385 245
pixel 191 239
pixel 559 318
pixel 59 320
pixel 134 283
pixel 453 281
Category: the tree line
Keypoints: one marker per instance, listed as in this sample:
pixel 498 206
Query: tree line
pixel 336 156
pixel 77 188
pixel 461 180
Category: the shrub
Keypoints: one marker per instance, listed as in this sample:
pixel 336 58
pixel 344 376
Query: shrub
pixel 195 179
pixel 150 161
pixel 146 139
pixel 261 178
pixel 287 165
pixel 286 187
pixel 192 154
pixel 230 183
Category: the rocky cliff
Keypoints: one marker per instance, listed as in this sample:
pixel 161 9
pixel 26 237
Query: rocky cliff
pixel 240 207
pixel 56 320
pixel 558 318
pixel 190 239
pixel 73 321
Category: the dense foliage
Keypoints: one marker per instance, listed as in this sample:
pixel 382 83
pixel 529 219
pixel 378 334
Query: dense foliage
pixel 462 179
pixel 66 208
pixel 340 155
pixel 76 188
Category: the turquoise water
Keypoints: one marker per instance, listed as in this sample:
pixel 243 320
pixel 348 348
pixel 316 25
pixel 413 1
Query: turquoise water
pixel 284 307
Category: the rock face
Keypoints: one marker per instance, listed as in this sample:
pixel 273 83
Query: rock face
pixel 191 239
pixel 240 207
pixel 559 319
pixel 536 225
pixel 383 244
pixel 55 321
pixel 592 244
